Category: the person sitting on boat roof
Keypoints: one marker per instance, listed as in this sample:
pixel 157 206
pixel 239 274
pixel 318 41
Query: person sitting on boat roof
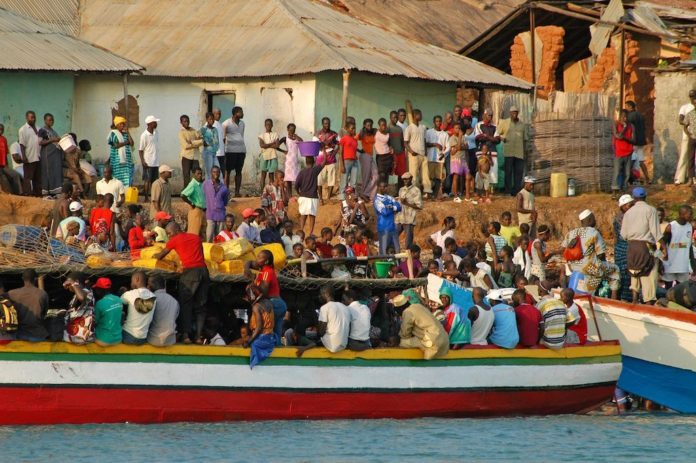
pixel 108 312
pixel 457 324
pixel 420 329
pixel 576 324
pixel 141 308
pixel 162 330
pixel 417 265
pixel 267 282
pixel 334 323
pixel 481 317
pixel 262 339
pixel 9 319
pixel 162 219
pixel 504 332
pixel 554 315
pixel 360 315
pixel 528 319
pixel 79 318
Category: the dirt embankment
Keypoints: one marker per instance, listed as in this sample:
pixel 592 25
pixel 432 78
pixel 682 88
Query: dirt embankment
pixel 561 214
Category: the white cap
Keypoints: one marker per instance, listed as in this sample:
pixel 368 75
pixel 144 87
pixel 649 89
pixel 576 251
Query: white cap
pixel 529 179
pixel 585 214
pixel 625 199
pixel 495 295
pixel 75 206
pixel 165 168
pixel 150 119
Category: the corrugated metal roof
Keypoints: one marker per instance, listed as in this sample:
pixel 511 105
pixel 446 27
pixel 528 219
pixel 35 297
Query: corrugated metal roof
pixel 239 38
pixel 60 15
pixel 29 46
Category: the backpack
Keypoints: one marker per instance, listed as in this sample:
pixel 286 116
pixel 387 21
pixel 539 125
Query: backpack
pixel 574 250
pixel 8 316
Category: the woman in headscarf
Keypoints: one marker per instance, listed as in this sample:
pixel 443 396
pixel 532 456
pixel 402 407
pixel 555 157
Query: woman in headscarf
pixel 120 156
pixel 51 158
pixel 621 248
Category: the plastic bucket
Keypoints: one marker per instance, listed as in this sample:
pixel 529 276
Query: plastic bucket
pixel 559 185
pixel 576 282
pixel 67 144
pixel 382 269
pixel 309 148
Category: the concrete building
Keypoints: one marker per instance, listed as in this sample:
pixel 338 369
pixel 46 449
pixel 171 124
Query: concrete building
pixel 282 59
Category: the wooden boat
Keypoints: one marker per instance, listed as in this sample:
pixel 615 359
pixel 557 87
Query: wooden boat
pixel 658 345
pixel 50 383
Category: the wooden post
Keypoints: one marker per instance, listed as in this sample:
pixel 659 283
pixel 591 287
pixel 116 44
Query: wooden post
pixel 125 98
pixel 622 64
pixel 344 102
pixel 532 31
pixel 409 264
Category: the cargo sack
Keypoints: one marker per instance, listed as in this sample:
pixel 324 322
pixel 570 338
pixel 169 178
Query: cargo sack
pixel 9 322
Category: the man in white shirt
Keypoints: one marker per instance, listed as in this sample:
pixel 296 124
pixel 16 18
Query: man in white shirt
pixel 162 331
pixel 113 186
pixel 235 149
pixel 149 156
pixel 31 155
pixel 414 141
pixel 220 155
pixel 435 145
pixel 334 321
pixel 360 315
pixel 685 165
pixel 141 308
pixel 401 119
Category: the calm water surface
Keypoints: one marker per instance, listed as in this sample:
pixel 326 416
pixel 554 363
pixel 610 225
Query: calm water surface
pixel 634 438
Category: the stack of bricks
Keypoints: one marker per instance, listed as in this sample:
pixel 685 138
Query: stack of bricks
pixel 631 50
pixel 552 45
pixel 602 70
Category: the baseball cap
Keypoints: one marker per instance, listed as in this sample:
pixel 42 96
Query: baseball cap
pixel 406 175
pixel 249 212
pixel 514 109
pixel 75 206
pixel 102 283
pixel 149 119
pixel 639 193
pixel 625 199
pixel 529 179
pixel 495 295
pixel 161 215
pixel 585 214
pixel 164 168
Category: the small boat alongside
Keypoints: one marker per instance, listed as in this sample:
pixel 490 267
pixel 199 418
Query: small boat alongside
pixel 658 345
pixel 52 383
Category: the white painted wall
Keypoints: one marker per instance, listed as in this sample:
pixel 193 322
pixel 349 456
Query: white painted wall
pixel 168 98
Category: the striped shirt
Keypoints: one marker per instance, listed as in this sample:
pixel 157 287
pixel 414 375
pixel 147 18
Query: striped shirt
pixel 553 314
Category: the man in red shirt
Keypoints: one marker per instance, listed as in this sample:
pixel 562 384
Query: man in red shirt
pixel 267 282
pixel 9 179
pixel 528 319
pixel 577 322
pixel 194 280
pixel 623 149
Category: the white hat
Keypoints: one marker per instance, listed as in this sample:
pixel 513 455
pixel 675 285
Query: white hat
pixel 529 179
pixel 495 295
pixel 585 214
pixel 164 168
pixel 625 199
pixel 75 206
pixel 150 119
pixel 514 109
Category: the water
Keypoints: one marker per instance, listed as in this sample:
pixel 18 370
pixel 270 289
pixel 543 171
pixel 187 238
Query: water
pixel 634 438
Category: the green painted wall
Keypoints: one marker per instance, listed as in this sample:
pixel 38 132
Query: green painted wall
pixel 374 96
pixel 41 92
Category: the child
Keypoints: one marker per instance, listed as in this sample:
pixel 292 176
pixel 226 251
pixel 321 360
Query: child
pixel 438 238
pixel 339 271
pixel 506 268
pixel 349 241
pixel 437 257
pixel 289 238
pixel 433 267
pixel 324 245
pixel 311 248
pixel 483 175
pixel 521 258
pixel 507 230
pixel 268 141
pixel 274 199
pixel 361 247
pixel 292 158
pixel 458 164
pixel 521 283
pixel 576 322
pixel 243 336
pixel 450 272
pixel 297 250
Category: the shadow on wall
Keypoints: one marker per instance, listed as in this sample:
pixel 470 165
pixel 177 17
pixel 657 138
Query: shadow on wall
pixel 665 156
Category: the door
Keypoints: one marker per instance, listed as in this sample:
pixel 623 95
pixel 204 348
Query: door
pixel 224 101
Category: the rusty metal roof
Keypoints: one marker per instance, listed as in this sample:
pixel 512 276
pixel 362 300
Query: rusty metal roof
pixel 239 38
pixel 29 46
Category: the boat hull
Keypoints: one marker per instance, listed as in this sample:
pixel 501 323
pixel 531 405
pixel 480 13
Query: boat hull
pixel 658 346
pixel 61 383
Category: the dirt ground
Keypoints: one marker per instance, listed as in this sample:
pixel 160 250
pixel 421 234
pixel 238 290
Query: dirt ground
pixel 559 213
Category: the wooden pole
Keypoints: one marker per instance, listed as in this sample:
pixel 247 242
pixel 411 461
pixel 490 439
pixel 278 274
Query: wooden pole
pixel 622 64
pixel 532 29
pixel 344 102
pixel 125 97
pixel 409 264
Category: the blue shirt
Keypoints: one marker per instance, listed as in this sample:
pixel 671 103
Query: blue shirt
pixel 386 208
pixel 504 332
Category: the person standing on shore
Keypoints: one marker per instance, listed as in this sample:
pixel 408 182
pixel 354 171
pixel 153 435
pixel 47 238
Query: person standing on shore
pixel 685 166
pixel 220 153
pixel 329 143
pixel 120 154
pixel 211 138
pixel 386 207
pixel 396 143
pixel 216 197
pixel 384 155
pixel 193 196
pixel 516 139
pixel 189 142
pixel 113 186
pixel 411 202
pixel 638 121
pixel 31 155
pixel 149 154
pixel 194 281
pixel 678 239
pixel 235 149
pixel 51 158
pixel 307 189
pixel 414 139
pixel 526 212
pixel 13 179
pixel 292 157
pixel 161 192
pixel 641 228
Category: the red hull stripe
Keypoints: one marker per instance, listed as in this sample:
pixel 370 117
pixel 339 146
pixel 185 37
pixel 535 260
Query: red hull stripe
pixel 54 405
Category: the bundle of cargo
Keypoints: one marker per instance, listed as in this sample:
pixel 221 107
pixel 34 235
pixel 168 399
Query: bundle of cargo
pixel 158 264
pixel 170 262
pixel 239 251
